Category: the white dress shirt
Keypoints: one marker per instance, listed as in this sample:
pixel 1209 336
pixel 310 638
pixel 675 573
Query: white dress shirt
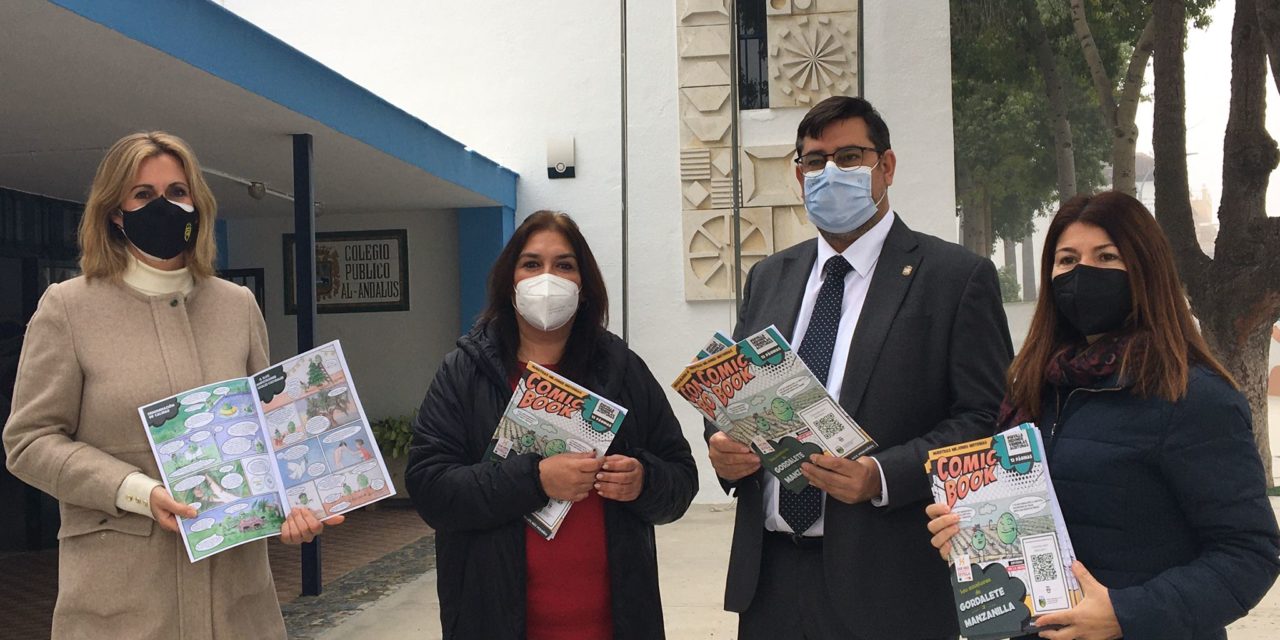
pixel 862 255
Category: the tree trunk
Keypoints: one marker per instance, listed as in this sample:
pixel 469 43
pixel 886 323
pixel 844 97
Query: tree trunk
pixel 1125 146
pixel 1245 356
pixel 1047 62
pixel 1269 22
pixel 976 224
pixel 1010 256
pixel 1118 115
pixel 988 236
pixel 1097 72
pixel 1029 283
pixel 1236 295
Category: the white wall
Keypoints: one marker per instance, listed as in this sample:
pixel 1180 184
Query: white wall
pixel 393 354
pixel 907 76
pixel 503 76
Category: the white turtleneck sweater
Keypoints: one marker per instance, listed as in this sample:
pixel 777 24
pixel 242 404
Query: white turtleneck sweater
pixel 134 494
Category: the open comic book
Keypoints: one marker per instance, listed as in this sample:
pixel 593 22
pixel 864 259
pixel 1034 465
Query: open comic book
pixel 245 451
pixel 1012 556
pixel 761 394
pixel 550 414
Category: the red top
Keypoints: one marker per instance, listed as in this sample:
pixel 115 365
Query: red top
pixel 567 577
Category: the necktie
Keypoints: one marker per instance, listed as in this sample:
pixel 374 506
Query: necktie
pixel 801 510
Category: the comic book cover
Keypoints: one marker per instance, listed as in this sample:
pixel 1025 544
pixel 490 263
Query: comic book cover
pixel 1013 556
pixel 244 451
pixel 761 394
pixel 718 342
pixel 550 414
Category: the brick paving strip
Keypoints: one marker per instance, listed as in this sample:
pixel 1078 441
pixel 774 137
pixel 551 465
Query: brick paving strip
pixel 306 617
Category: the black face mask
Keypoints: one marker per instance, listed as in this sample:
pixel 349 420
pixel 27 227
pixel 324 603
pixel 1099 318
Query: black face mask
pixel 161 229
pixel 1093 300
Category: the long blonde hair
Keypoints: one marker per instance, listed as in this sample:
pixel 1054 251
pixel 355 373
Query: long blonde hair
pixel 103 252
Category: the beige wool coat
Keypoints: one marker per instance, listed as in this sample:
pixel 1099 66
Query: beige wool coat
pixel 95 352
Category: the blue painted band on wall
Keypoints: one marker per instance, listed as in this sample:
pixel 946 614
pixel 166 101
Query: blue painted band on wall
pixel 213 39
pixel 482 233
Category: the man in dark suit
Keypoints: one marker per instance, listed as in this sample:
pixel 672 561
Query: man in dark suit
pixel 909 334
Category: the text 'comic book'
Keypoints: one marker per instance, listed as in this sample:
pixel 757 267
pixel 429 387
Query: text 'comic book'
pixel 1012 556
pixel 550 414
pixel 760 393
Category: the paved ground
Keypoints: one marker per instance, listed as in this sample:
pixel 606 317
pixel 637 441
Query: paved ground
pixel 693 556
pixel 392 534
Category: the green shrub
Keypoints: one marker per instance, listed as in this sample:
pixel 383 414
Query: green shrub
pixel 393 434
pixel 1010 290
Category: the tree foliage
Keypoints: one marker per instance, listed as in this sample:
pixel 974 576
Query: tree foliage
pixel 1006 166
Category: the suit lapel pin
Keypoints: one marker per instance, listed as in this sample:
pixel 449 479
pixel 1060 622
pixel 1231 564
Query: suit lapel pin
pixel 906 271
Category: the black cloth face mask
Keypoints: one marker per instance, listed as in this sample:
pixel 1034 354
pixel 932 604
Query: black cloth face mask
pixel 161 228
pixel 1093 300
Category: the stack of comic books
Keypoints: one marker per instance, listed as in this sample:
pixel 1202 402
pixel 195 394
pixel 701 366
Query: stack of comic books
pixel 761 394
pixel 550 414
pixel 1012 556
pixel 245 451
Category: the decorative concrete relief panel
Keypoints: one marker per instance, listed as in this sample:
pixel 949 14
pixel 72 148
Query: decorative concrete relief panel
pixel 703 42
pixel 704 178
pixel 769 176
pixel 812 57
pixel 778 7
pixel 707 99
pixel 709 249
pixel 695 164
pixel 705 116
pixel 702 72
pixel 791 226
pixel 722 161
pixel 695 177
pixel 696 13
pixel 700 130
pixel 824 6
pixel 722 193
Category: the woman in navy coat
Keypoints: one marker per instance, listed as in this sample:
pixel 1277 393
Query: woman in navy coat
pixel 1148 439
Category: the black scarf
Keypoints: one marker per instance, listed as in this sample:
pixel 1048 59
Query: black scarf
pixel 1076 365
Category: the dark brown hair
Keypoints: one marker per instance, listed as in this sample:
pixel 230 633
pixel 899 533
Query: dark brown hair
pixel 1168 341
pixel 836 109
pixel 593 300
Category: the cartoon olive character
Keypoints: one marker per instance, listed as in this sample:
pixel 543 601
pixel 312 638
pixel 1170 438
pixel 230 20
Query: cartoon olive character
pixel 555 447
pixel 782 409
pixel 979 538
pixel 1007 528
pixel 527 439
pixel 762 425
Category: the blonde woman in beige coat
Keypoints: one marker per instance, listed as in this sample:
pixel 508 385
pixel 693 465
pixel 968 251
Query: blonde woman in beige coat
pixel 148 319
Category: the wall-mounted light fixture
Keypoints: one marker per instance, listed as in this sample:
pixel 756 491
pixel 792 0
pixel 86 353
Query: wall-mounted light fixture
pixel 560 158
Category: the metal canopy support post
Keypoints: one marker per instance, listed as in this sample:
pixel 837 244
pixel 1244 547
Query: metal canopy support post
pixel 304 256
pixel 482 233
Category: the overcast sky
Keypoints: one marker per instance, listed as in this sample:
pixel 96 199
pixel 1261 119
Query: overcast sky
pixel 1208 68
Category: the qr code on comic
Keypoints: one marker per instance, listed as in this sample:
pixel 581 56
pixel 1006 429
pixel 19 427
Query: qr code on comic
pixel 1017 441
pixel 828 426
pixel 605 413
pixel 1043 567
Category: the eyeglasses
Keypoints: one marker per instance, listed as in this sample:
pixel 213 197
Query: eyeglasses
pixel 847 158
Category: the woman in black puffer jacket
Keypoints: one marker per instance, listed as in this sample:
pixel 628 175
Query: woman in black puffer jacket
pixel 1148 440
pixel 598 577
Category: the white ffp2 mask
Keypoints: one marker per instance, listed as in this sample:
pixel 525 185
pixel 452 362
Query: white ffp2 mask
pixel 547 301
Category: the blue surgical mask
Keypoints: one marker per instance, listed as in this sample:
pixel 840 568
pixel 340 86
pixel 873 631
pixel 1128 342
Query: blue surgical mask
pixel 839 200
